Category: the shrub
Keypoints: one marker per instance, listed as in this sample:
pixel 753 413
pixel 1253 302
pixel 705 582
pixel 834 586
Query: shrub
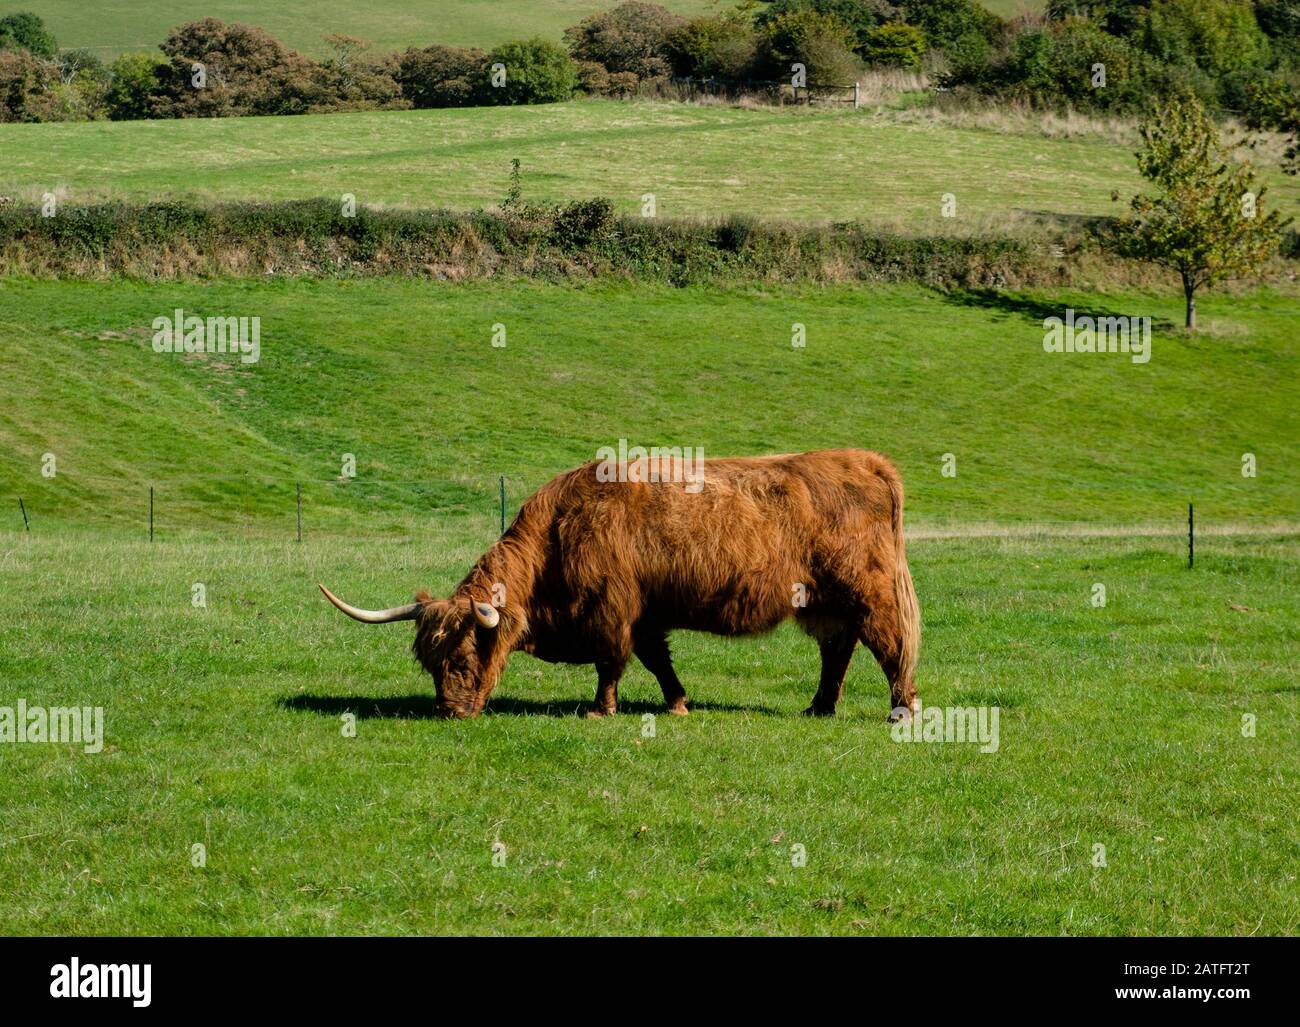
pixel 722 46
pixel 1055 64
pixel 896 45
pixel 76 91
pixel 947 23
pixel 442 76
pixel 1216 37
pixel 632 38
pixel 134 80
pixel 535 72
pixel 352 80
pixel 22 79
pixel 820 42
pixel 860 17
pixel 244 71
pixel 25 31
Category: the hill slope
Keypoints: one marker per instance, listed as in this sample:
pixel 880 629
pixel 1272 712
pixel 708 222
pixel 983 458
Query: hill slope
pixel 402 374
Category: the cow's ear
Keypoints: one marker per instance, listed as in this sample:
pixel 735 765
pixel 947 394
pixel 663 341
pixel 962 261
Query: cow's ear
pixel 486 615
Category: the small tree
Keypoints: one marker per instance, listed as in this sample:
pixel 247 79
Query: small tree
pixel 26 31
pixel 1208 224
pixel 536 71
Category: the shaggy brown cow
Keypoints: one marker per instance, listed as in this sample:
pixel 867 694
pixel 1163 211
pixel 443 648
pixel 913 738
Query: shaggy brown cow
pixel 594 571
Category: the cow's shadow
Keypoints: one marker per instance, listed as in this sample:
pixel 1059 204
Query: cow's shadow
pixel 421 707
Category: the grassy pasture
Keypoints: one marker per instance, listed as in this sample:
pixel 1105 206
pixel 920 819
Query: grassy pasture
pixel 1120 726
pixel 389 24
pixel 402 374
pixel 700 161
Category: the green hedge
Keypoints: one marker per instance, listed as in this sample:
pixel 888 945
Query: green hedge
pixel 583 239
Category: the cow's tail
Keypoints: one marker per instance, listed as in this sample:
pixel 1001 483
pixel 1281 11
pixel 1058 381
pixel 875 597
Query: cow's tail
pixel 909 611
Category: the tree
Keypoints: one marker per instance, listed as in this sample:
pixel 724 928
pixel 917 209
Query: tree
pixel 443 76
pixel 632 38
pixel 533 71
pixel 820 42
pixel 25 31
pixel 215 69
pixel 895 44
pixel 135 80
pixel 1208 224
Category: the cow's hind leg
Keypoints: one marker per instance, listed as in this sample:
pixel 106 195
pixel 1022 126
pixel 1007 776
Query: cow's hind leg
pixel 651 649
pixel 837 651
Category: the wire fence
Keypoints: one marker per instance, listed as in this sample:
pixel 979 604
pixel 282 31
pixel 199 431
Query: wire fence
pixel 289 508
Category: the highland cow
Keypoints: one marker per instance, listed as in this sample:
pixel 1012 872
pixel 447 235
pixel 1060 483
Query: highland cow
pixel 596 571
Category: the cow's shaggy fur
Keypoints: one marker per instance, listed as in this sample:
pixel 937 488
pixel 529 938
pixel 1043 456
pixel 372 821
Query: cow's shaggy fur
pixel 595 572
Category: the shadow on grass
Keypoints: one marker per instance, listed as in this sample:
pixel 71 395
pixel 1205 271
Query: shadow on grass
pixel 1036 310
pixel 421 707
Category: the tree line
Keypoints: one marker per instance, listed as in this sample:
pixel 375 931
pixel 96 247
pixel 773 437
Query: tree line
pixel 1107 55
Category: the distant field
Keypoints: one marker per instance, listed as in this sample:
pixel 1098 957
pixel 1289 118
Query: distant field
pixel 694 160
pixel 389 24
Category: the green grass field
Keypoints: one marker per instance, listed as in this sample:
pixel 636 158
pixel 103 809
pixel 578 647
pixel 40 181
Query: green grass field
pixel 390 25
pixel 837 165
pixel 1120 726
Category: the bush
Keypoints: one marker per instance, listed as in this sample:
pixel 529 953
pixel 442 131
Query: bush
pixel 134 80
pixel 820 42
pixel 442 76
pixel 632 38
pixel 860 17
pixel 76 92
pixel 1055 65
pixel 244 71
pixel 25 31
pixel 1215 37
pixel 352 80
pixel 896 45
pixel 23 80
pixel 535 72
pixel 947 23
pixel 715 46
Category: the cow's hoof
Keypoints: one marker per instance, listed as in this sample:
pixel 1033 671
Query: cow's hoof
pixel 678 709
pixel 596 713
pixel 817 711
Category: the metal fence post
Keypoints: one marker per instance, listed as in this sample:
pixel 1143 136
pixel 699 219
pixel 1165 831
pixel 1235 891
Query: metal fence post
pixel 1191 537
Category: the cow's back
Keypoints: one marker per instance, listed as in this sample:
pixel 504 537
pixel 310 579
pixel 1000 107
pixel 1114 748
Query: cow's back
pixel 721 555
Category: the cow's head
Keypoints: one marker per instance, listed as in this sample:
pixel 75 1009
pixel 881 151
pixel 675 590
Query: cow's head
pixel 455 641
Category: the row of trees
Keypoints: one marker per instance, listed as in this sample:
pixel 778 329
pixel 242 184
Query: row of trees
pixel 1101 54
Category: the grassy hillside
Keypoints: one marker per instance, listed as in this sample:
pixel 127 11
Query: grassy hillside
pixel 403 375
pixel 785 164
pixel 389 24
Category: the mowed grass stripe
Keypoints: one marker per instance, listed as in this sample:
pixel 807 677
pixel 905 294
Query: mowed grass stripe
pixel 825 165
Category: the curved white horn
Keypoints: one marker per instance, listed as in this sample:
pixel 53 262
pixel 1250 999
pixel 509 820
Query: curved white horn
pixel 486 615
pixel 409 612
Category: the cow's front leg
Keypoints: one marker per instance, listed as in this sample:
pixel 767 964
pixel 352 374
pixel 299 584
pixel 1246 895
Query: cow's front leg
pixel 608 674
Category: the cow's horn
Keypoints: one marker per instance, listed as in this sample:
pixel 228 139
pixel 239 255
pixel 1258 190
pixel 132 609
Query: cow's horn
pixel 486 615
pixel 374 616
